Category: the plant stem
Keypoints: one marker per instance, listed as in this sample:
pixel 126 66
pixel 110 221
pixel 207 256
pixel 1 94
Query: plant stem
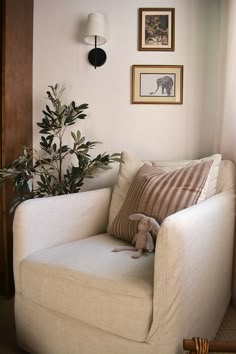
pixel 62 131
pixel 60 160
pixel 50 189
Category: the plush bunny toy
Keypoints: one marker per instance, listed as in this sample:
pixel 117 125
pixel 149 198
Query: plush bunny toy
pixel 142 240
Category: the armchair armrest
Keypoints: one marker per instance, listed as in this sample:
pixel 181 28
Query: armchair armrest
pixel 193 269
pixel 46 222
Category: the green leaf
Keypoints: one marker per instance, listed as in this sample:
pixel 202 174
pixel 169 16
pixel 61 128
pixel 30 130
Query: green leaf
pixel 47 107
pixel 74 136
pixel 35 174
pixel 41 125
pixel 80 142
pixel 64 148
pixel 78 135
pixel 82 116
pixel 47 114
pixel 83 106
pixel 43 131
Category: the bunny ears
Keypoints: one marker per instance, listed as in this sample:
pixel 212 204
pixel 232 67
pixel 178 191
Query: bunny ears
pixel 154 226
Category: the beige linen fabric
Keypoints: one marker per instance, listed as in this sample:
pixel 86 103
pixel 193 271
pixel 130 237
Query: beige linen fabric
pixel 158 194
pixel 131 165
pixel 226 177
pixel 55 220
pixel 88 282
pixel 175 315
pixel 193 268
pixel 192 274
pixel 43 331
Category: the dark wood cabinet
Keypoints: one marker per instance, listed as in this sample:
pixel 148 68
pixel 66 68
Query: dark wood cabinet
pixel 16 112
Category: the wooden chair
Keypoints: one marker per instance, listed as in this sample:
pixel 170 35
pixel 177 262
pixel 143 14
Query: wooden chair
pixel 203 346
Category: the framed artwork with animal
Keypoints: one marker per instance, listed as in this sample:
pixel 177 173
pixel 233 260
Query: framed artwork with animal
pixel 157 84
pixel 156 29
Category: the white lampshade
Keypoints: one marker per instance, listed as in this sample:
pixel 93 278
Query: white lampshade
pixel 96 27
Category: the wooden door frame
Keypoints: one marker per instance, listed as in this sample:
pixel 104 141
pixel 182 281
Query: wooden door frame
pixel 16 108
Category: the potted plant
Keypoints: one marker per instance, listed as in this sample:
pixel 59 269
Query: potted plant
pixel 50 172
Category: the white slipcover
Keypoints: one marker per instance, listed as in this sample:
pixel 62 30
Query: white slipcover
pixel 73 295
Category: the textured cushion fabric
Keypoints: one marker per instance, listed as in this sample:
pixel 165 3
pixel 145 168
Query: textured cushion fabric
pixel 131 165
pixel 40 330
pixel 88 282
pixel 158 194
pixel 226 178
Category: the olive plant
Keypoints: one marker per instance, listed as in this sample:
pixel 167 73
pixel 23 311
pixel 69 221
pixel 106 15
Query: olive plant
pixel 49 171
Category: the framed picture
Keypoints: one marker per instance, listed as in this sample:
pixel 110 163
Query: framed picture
pixel 157 29
pixel 161 84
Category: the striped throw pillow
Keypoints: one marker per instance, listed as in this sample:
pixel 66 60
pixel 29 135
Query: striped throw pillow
pixel 158 194
pixel 131 164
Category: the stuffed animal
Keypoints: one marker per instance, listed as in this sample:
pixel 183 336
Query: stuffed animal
pixel 142 240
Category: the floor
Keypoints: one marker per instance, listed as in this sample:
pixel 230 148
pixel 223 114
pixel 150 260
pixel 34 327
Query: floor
pixel 227 331
pixel 228 327
pixel 8 344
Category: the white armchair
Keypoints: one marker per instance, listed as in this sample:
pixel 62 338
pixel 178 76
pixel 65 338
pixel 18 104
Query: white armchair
pixel 75 296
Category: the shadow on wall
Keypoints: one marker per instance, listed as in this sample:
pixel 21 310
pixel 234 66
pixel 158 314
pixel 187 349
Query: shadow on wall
pixel 79 30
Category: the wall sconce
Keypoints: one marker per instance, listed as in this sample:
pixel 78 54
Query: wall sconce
pixel 96 35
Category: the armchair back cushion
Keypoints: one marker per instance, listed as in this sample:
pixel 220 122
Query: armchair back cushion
pixel 226 177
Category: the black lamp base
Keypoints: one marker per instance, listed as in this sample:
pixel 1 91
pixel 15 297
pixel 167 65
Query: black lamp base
pixel 97 57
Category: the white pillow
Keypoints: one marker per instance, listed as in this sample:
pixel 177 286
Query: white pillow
pixel 131 165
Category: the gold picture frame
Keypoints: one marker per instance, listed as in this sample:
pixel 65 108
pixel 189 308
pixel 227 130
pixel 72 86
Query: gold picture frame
pixel 156 29
pixel 157 84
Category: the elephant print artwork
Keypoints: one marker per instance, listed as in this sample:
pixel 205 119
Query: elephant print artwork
pixel 160 84
pixel 166 84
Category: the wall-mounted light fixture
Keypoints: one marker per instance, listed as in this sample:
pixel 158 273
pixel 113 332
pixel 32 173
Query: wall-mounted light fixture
pixel 96 35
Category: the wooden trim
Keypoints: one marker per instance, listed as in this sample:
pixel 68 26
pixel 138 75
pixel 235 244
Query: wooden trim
pixel 2 262
pixel 16 107
pixel 214 346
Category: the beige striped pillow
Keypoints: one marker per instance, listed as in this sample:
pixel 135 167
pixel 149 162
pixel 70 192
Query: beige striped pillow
pixel 131 165
pixel 157 193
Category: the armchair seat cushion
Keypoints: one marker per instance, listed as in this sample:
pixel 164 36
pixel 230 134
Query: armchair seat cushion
pixel 68 277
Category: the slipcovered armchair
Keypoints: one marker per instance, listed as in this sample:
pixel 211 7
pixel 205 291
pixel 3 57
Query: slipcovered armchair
pixel 74 295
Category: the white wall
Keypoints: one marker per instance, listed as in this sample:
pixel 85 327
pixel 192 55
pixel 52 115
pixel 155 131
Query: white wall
pixel 228 127
pixel 148 131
